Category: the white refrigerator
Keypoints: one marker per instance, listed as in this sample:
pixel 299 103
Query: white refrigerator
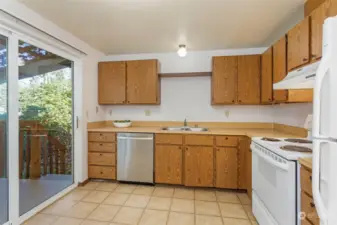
pixel 324 173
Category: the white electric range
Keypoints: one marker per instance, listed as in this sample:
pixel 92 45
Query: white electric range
pixel 276 179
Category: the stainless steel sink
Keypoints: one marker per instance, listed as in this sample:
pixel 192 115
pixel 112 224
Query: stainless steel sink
pixel 193 129
pixel 172 128
pixel 196 129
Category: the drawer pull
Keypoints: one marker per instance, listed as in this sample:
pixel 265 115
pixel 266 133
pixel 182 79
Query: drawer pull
pixel 100 155
pixel 226 138
pixel 312 204
pixel 101 172
pixel 100 144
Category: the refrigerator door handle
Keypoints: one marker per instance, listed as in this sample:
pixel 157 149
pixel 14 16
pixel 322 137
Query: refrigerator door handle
pixel 319 204
pixel 321 72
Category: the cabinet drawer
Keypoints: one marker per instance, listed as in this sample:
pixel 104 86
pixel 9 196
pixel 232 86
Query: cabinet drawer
pixel 101 137
pixel 102 172
pixel 226 141
pixel 306 180
pixel 200 140
pixel 308 207
pixel 173 139
pixel 102 147
pixel 103 159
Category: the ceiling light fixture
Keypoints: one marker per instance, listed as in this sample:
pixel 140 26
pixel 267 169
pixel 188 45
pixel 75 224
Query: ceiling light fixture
pixel 182 51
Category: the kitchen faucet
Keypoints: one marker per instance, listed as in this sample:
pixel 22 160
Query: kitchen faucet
pixel 185 122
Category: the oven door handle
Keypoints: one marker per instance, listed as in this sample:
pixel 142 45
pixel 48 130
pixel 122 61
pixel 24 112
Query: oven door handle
pixel 271 161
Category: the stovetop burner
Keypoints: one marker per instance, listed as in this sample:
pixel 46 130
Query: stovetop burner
pixel 294 148
pixel 270 139
pixel 300 141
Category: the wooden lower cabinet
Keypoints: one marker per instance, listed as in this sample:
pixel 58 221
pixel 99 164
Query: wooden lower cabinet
pixel 102 172
pixel 102 155
pixel 226 167
pixel 248 168
pixel 307 202
pixel 168 164
pixel 199 166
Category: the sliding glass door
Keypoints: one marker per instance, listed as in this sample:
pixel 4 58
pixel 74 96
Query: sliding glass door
pixel 45 83
pixel 37 133
pixel 4 196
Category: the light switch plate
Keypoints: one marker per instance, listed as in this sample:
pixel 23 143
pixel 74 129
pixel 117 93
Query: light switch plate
pixel 147 112
pixel 227 112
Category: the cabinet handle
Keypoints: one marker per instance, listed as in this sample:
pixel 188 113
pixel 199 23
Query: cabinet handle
pixel 226 138
pixel 100 144
pixel 305 59
pixel 100 134
pixel 312 204
pixel 233 101
pixel 310 178
pixel 100 154
pixel 186 149
pixel 101 172
pixel 239 100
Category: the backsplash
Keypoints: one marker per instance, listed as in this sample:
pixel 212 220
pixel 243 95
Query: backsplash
pixel 292 114
pixel 189 97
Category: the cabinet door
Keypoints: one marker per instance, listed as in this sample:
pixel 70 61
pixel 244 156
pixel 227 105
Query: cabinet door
pixel 226 166
pixel 142 82
pixel 267 76
pixel 111 82
pixel 298 45
pixel 249 76
pixel 280 68
pixel 199 166
pixel 168 164
pixel 317 20
pixel 224 79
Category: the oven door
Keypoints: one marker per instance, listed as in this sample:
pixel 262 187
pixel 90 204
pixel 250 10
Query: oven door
pixel 274 185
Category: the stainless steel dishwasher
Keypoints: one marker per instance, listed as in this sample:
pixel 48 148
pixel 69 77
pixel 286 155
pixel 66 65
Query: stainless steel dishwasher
pixel 135 152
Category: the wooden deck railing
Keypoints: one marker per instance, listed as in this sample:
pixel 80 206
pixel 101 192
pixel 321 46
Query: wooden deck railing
pixel 40 152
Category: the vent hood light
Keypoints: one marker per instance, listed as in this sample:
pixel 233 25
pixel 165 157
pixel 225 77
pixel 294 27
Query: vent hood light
pixel 302 78
pixel 182 52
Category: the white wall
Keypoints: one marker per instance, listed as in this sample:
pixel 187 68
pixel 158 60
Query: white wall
pixel 292 114
pixel 89 69
pixel 188 96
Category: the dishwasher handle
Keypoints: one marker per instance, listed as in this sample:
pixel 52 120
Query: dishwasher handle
pixel 135 138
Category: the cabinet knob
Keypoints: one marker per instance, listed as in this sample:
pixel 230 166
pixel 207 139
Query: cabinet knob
pixel 305 59
pixel 226 138
pixel 101 172
pixel 310 178
pixel 233 101
pixel 239 101
pixel 312 204
pixel 100 144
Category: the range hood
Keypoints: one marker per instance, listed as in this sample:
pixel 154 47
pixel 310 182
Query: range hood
pixel 302 78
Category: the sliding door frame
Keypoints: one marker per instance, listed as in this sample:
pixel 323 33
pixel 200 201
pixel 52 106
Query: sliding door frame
pixel 13 119
pixel 8 159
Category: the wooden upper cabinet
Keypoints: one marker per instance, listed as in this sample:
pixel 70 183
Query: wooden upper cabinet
pixel 316 38
pixel 280 68
pixel 142 82
pixel 224 79
pixel 267 76
pixel 199 166
pixel 226 166
pixel 298 45
pixel 249 77
pixel 168 164
pixel 111 82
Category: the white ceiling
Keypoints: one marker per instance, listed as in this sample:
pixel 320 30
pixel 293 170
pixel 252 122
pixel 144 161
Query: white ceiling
pixel 149 26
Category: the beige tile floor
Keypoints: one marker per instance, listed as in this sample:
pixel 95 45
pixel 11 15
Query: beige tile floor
pixel 102 203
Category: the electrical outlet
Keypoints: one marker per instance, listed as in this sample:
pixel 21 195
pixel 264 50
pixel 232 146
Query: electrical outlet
pixel 147 112
pixel 227 112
